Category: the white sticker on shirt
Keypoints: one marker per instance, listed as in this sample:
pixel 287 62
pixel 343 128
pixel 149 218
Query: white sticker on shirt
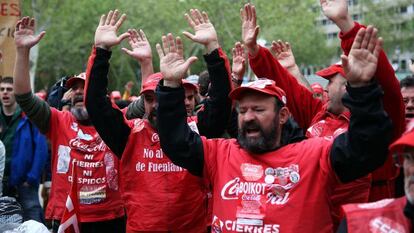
pixel 193 126
pixel 63 159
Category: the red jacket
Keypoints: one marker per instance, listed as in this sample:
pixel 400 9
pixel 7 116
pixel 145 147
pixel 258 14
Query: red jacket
pixel 381 216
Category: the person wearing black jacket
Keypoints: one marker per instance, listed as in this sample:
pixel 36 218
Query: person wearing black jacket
pixel 154 189
pixel 260 183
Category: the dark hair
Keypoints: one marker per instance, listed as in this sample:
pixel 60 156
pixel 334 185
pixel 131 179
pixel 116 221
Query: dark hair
pixel 407 81
pixel 7 79
pixel 203 82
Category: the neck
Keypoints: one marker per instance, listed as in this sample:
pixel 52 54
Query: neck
pixel 9 110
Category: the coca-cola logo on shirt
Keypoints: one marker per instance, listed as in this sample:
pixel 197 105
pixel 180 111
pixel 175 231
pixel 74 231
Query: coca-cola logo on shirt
pixel 87 146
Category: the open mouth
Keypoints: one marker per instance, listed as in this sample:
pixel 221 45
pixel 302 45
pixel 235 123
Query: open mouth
pixel 409 115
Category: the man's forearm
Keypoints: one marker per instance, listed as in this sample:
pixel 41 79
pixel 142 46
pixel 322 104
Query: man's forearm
pixel 37 110
pixel 364 147
pixel 21 71
pixel 146 69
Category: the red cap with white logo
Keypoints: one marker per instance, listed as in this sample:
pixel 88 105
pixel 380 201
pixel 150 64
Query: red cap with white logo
pixel 332 70
pixel 263 85
pixel 151 82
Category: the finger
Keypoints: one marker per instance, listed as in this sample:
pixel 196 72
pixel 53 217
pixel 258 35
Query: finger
pixel 24 23
pixel 242 14
pixel 109 17
pixel 194 17
pixel 378 47
pixel 133 35
pixel 159 50
pixel 189 20
pixel 114 17
pixel 287 46
pixel 102 20
pixel 137 35
pixel 205 17
pixel 248 11
pixel 123 37
pixel 120 21
pixel 253 15
pixel 199 16
pixel 180 47
pixel 32 23
pixel 345 63
pixel 233 53
pixel 189 35
pixel 373 41
pixel 367 37
pixel 171 43
pixel 165 44
pixel 18 25
pixel 358 39
pixel 142 34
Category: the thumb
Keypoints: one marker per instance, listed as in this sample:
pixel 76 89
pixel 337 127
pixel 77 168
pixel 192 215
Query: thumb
pixel 189 35
pixel 40 36
pixel 190 61
pixel 123 36
pixel 345 63
pixel 256 32
pixel 127 51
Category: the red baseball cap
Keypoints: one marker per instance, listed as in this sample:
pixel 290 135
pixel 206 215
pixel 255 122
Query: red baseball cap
pixel 72 80
pixel 151 82
pixel 263 85
pixel 332 70
pixel 317 88
pixel 405 140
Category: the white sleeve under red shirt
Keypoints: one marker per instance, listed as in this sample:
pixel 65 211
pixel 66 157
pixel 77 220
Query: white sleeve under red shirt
pixel 279 191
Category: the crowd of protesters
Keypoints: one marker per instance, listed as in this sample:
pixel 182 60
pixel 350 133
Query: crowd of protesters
pixel 212 152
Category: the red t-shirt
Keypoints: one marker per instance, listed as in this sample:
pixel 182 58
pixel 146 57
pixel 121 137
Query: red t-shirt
pixel 97 170
pixel 158 195
pixel 382 216
pixel 279 191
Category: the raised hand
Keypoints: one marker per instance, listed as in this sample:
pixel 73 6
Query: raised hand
pixel 172 63
pixel 140 47
pixel 239 60
pixel 249 28
pixel 283 53
pixel 106 32
pixel 24 35
pixel 361 63
pixel 337 11
pixel 205 33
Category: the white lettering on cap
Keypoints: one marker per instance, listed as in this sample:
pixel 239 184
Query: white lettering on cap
pixel 260 84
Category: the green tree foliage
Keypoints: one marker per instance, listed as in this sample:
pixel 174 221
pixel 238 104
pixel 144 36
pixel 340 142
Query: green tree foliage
pixel 70 27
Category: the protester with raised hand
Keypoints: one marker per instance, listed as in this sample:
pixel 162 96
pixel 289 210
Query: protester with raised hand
pixel 383 180
pixel 74 141
pixel 239 64
pixel 282 51
pixel 260 184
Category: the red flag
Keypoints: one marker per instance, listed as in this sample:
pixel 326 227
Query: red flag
pixel 70 219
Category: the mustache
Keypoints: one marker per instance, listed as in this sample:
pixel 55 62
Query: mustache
pixel 77 98
pixel 250 125
pixel 410 179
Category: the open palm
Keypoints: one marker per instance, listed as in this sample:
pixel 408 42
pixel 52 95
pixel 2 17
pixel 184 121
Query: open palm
pixel 334 9
pixel 140 47
pixel 361 63
pixel 106 32
pixel 250 30
pixel 24 35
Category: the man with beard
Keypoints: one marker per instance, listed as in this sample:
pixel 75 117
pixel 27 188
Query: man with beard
pixel 74 142
pixel 267 186
pixel 332 119
pixel 158 195
pixel 26 154
pixel 387 215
